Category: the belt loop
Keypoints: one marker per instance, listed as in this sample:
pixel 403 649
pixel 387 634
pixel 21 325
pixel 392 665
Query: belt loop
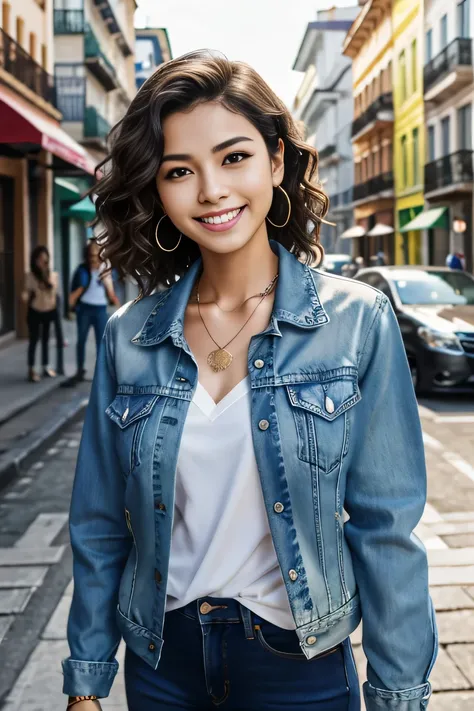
pixel 247 620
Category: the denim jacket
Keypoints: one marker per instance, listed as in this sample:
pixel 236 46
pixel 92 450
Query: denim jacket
pixel 338 442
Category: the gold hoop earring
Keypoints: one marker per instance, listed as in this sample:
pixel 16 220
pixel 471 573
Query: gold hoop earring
pixel 158 241
pixel 289 209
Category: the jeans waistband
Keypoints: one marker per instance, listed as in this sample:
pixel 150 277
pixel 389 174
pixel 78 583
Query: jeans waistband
pixel 215 610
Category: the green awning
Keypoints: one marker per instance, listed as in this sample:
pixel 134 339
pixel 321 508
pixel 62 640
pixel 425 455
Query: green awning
pixel 427 220
pixel 84 210
pixel 68 189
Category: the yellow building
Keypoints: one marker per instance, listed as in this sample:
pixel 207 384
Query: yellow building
pixel 369 43
pixel 409 151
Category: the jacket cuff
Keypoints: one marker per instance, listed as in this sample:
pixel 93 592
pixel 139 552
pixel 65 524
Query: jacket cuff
pixel 414 699
pixel 88 678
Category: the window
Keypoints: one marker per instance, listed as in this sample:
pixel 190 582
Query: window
pixel 6 8
pixel 465 127
pixel 445 130
pixel 403 77
pixel 416 156
pixel 463 18
pixel 414 65
pixel 429 46
pixel 444 32
pixel 431 143
pixel 32 45
pixel 20 30
pixel 404 161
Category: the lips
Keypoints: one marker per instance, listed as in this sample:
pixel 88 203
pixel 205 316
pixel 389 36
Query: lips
pixel 222 226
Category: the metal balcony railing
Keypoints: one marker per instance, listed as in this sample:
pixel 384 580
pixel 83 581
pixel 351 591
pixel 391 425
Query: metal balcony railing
pixel 457 53
pixel 95 126
pixel 383 103
pixel 18 63
pixel 449 170
pixel 334 201
pixel 373 186
pixel 327 151
pixel 69 22
pixel 101 67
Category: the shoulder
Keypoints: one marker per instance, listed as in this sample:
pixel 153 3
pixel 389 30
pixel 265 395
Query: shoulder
pixel 128 319
pixel 332 287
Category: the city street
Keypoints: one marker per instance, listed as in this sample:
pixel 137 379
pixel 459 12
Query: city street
pixel 35 566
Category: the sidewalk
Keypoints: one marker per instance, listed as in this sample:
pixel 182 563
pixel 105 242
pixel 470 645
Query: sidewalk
pixel 451 587
pixel 16 393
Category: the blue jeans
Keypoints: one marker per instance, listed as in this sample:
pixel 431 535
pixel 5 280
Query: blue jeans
pixel 87 316
pixel 229 658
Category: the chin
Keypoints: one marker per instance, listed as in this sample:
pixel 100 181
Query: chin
pixel 223 243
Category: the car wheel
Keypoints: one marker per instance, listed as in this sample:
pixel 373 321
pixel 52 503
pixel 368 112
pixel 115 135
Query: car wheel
pixel 415 374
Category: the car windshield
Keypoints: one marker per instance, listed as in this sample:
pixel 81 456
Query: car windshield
pixel 420 287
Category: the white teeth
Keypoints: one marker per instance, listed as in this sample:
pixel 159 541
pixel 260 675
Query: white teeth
pixel 219 219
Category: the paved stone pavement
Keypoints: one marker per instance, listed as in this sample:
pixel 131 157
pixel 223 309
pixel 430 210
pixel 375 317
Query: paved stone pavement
pixel 39 544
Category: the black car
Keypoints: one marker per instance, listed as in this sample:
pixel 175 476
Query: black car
pixel 435 311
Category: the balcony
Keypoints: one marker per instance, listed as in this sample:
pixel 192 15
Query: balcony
pixel 376 188
pixel 95 126
pixel 105 8
pixel 97 62
pixel 69 22
pixel 449 174
pixel 378 115
pixel 341 201
pixel 18 63
pixel 449 71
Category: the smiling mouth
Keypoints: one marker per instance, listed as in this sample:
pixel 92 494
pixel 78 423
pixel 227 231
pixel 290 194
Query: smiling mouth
pixel 221 219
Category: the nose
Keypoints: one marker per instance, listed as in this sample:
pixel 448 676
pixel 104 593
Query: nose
pixel 211 189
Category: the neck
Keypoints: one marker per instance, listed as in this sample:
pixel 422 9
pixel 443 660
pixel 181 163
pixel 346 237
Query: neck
pixel 232 278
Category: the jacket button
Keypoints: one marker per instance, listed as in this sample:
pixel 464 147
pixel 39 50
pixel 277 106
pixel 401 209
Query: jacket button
pixel 259 363
pixel 151 647
pixel 278 507
pixel 311 640
pixel 263 425
pixel 125 415
pixel 205 608
pixel 329 405
pixel 158 577
pixel 160 506
pixel 293 574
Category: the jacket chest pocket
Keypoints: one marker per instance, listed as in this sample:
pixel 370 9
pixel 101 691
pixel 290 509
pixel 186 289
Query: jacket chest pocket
pixel 320 412
pixel 131 413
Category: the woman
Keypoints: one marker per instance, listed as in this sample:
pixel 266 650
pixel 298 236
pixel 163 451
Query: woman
pixel 92 290
pixel 233 417
pixel 40 293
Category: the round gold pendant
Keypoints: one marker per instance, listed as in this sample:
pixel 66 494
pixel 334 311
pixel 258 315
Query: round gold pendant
pixel 219 359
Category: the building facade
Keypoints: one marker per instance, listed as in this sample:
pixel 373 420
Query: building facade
pixel 152 48
pixel 409 133
pixel 448 94
pixel 369 43
pixel 324 104
pixel 94 68
pixel 33 149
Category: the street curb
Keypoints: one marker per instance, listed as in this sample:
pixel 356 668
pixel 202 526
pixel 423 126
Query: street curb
pixel 34 397
pixel 16 459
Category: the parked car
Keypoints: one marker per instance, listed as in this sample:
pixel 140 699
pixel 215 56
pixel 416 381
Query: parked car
pixel 435 311
pixel 334 262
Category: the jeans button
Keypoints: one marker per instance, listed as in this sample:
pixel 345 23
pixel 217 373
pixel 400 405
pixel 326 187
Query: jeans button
pixel 205 608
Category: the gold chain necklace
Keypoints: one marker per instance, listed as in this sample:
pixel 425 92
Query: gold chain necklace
pixel 220 359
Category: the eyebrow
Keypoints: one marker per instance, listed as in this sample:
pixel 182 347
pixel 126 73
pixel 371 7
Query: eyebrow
pixel 216 149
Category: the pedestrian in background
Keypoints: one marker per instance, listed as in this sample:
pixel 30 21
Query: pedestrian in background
pixel 233 419
pixel 455 260
pixel 40 293
pixel 91 292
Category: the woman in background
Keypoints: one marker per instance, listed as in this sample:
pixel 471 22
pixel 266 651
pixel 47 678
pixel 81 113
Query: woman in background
pixel 92 290
pixel 41 289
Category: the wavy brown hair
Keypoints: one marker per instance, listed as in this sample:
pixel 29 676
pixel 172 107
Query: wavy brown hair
pixel 128 205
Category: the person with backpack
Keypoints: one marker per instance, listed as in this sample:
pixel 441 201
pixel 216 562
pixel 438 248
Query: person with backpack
pixel 91 292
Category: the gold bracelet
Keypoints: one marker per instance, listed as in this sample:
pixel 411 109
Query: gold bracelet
pixel 73 700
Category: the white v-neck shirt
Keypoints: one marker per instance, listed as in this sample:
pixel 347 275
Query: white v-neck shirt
pixel 221 544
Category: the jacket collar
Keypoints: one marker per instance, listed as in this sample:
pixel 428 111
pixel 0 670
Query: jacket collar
pixel 296 302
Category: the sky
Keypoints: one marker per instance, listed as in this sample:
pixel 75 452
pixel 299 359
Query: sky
pixel 264 33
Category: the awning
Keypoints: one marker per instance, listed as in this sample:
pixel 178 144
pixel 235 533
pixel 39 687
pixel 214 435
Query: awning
pixel 84 210
pixel 21 123
pixel 380 230
pixel 427 219
pixel 69 190
pixel 352 232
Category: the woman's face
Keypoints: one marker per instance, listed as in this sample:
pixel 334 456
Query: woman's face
pixel 42 261
pixel 216 165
